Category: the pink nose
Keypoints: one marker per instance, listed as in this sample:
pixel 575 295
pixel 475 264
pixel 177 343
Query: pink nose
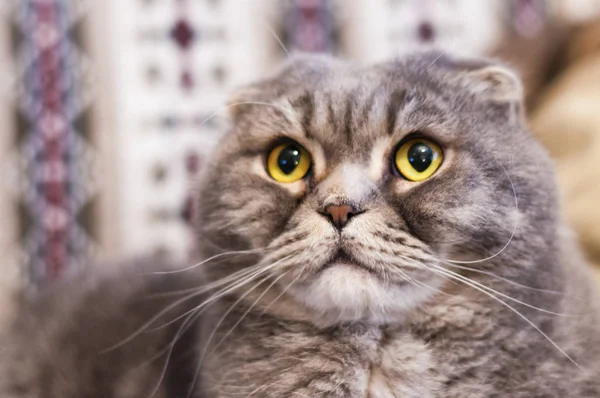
pixel 339 214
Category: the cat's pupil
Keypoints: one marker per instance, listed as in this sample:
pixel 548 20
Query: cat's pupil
pixel 288 159
pixel 420 157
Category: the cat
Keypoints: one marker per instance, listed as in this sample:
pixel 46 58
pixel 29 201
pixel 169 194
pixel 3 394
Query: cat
pixel 366 231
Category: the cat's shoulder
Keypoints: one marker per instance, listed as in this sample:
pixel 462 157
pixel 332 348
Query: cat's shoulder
pixel 108 284
pixel 91 332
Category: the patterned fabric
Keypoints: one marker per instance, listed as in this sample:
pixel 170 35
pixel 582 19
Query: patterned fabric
pixel 54 153
pixel 309 26
pixel 178 71
pixel 528 17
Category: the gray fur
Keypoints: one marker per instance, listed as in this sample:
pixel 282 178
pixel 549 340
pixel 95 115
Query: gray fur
pixel 400 326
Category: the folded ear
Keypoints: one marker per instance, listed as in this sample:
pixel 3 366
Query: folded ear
pixel 495 83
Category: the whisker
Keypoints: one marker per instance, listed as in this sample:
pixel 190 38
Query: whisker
pixel 484 222
pixel 533 325
pixel 513 231
pixel 423 264
pixel 243 315
pixel 223 292
pixel 226 314
pixel 196 293
pixel 448 275
pixel 272 32
pixel 209 286
pixel 182 329
pixel 252 251
pixel 192 316
pixel 478 271
pixel 216 113
pixel 421 284
pixel 452 42
pixel 200 361
pixel 150 322
pixel 448 272
pixel 284 290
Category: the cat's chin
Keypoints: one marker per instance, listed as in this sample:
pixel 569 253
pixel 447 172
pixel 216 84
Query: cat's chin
pixel 347 293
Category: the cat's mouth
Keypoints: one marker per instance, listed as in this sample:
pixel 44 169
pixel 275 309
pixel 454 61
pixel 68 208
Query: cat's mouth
pixel 344 258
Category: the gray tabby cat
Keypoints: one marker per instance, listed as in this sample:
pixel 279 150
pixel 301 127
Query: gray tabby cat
pixel 388 231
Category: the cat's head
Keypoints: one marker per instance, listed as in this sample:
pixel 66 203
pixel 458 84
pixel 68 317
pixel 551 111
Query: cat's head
pixel 353 186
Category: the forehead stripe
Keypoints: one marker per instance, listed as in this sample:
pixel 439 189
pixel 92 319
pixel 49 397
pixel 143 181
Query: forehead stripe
pixel 394 103
pixel 348 115
pixel 305 103
pixel 331 119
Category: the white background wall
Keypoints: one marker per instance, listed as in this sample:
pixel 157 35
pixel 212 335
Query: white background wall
pixel 140 144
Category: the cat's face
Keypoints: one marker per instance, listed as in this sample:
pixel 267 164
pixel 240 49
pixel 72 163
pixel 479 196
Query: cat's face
pixel 354 185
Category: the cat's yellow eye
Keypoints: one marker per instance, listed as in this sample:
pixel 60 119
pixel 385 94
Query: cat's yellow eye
pixel 418 159
pixel 288 162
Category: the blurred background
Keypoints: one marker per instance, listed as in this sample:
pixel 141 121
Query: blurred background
pixel 108 108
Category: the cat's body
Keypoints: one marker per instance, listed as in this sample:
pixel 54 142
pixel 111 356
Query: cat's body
pixel 65 342
pixel 347 279
pixel 449 348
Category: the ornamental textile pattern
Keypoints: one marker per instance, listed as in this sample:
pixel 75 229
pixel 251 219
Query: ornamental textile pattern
pixel 54 154
pixel 179 68
pixel 309 26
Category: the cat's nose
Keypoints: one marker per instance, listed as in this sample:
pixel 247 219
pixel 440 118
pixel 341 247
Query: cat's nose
pixel 339 215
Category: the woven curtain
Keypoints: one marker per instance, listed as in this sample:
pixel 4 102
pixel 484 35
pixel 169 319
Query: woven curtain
pixel 52 144
pixel 309 26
